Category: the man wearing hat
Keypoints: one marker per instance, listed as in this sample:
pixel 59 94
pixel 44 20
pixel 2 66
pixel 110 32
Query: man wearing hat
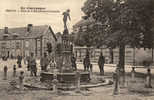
pixel 101 62
pixel 32 63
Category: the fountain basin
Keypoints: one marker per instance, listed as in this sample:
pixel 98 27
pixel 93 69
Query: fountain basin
pixel 65 77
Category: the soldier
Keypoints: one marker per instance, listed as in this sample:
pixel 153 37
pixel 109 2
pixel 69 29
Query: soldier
pixel 44 62
pixel 101 62
pixel 32 63
pixel 86 63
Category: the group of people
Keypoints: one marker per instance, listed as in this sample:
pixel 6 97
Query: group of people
pixel 88 66
pixel 45 61
pixel 32 67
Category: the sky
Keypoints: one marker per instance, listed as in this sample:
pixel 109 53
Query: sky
pixel 21 19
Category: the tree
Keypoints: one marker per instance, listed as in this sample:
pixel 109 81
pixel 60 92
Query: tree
pixel 124 22
pixel 83 38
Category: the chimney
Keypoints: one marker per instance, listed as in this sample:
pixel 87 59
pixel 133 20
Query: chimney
pixel 6 30
pixel 29 27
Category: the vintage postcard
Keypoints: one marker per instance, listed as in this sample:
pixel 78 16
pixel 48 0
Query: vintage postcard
pixel 76 49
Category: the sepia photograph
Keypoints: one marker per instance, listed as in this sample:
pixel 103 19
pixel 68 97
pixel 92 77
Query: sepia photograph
pixel 77 50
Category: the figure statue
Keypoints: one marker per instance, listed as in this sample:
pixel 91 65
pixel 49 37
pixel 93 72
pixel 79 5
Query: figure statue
pixel 66 15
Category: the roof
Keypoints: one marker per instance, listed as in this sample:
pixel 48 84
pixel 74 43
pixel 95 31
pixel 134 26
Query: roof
pixel 21 32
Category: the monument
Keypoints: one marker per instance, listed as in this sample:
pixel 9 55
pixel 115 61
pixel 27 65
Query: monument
pixel 66 46
pixel 63 55
pixel 61 74
pixel 66 15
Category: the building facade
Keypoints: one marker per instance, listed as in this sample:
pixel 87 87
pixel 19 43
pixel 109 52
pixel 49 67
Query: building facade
pixel 24 40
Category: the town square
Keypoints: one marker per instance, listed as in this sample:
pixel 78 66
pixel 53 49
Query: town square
pixel 77 50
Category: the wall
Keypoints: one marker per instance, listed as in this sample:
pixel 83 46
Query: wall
pixel 131 57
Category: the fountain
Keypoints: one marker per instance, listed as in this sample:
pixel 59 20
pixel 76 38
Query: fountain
pixel 65 72
pixel 61 74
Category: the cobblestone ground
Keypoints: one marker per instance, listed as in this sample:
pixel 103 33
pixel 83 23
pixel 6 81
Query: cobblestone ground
pixel 99 93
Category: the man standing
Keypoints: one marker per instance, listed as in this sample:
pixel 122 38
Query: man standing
pixel 32 63
pixel 73 60
pixel 101 62
pixel 19 60
pixel 44 62
pixel 28 62
pixel 86 63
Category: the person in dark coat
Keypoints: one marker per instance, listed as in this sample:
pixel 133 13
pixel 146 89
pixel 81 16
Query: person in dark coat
pixel 32 63
pixel 11 56
pixel 101 62
pixel 86 63
pixel 73 60
pixel 19 60
pixel 28 62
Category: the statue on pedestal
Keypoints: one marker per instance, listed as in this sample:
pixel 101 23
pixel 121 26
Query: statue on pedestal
pixel 66 52
pixel 66 15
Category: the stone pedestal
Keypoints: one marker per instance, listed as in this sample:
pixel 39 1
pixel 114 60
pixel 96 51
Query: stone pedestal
pixel 116 83
pixel 148 79
pixel 21 79
pixel 66 52
pixel 77 82
pixel 55 82
pixel 133 74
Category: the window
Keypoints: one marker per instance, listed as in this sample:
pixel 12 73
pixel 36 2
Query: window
pixel 17 45
pixel 27 44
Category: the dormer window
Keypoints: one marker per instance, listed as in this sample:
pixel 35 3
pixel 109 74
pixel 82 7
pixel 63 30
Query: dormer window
pixel 29 28
pixel 6 33
pixel 6 30
pixel 15 35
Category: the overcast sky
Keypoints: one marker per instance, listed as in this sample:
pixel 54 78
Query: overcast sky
pixel 16 19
